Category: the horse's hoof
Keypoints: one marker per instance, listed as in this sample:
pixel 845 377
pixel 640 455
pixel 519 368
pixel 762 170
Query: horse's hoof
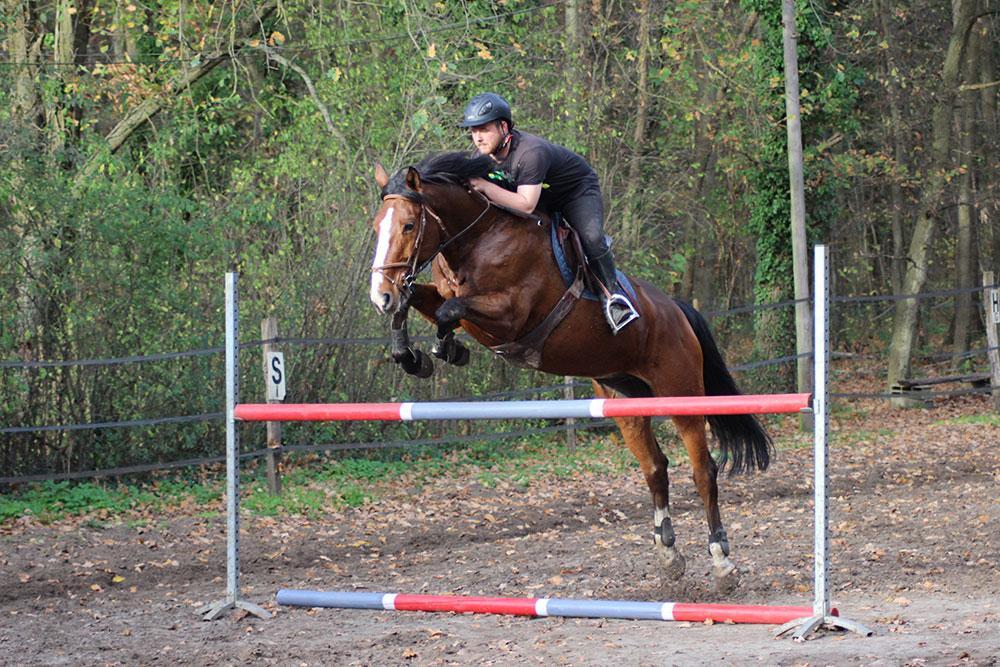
pixel 418 364
pixel 425 367
pixel 461 356
pixel 673 562
pixel 727 578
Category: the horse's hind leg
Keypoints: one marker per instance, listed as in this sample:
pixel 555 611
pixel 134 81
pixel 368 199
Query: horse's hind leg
pixel 705 471
pixel 638 434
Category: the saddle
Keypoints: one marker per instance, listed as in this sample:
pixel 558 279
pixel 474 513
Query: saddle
pixel 527 350
pixel 562 235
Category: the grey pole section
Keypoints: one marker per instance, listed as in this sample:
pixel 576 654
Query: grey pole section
pixel 821 424
pixel 232 600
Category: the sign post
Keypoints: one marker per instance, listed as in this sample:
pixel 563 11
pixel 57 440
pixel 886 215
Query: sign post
pixel 274 383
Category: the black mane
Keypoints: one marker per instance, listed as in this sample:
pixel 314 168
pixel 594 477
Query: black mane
pixel 454 168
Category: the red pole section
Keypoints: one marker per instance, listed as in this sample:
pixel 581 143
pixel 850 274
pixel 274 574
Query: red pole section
pixel 753 404
pixel 317 412
pixel 465 604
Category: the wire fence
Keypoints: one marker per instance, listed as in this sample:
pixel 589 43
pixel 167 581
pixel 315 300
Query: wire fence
pixel 841 314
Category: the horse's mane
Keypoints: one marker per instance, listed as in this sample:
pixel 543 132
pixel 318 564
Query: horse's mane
pixel 453 168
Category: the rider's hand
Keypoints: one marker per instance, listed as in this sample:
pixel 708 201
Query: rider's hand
pixel 479 184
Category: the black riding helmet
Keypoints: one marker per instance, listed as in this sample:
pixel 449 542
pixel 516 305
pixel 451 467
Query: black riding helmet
pixel 484 108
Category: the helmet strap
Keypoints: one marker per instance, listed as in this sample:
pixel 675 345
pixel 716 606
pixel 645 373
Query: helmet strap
pixel 507 135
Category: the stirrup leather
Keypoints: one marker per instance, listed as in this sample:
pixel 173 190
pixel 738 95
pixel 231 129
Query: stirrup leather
pixel 618 321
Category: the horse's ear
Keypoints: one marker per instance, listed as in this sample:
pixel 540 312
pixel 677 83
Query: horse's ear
pixel 381 177
pixel 413 179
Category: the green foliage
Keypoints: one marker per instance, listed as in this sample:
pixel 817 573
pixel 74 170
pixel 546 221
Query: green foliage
pixel 50 501
pixel 114 255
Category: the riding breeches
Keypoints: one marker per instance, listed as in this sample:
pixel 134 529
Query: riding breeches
pixel 585 214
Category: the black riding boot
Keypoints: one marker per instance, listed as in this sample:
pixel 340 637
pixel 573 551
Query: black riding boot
pixel 618 310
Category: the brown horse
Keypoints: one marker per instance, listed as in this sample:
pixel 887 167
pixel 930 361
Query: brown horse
pixel 495 276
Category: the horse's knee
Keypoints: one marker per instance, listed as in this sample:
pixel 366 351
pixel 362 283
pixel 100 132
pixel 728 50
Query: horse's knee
pixel 449 313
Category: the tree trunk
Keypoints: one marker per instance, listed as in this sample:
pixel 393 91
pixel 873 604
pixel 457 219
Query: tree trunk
pixel 895 127
pixel 964 251
pixel 21 50
pixel 632 216
pixel 800 250
pixel 989 148
pixel 905 318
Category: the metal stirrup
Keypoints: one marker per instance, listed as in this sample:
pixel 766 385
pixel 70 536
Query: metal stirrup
pixel 619 323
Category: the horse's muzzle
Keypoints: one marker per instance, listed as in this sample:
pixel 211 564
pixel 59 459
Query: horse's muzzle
pixel 383 302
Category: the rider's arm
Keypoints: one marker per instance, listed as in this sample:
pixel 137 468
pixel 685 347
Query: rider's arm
pixel 524 200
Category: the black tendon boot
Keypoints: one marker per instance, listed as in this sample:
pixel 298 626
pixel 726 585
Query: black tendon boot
pixel 618 310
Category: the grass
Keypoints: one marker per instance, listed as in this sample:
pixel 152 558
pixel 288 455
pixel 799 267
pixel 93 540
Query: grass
pixel 50 501
pixel 310 485
pixel 974 420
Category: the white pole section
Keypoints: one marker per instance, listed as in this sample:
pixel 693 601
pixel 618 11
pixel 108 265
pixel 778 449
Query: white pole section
pixel 821 342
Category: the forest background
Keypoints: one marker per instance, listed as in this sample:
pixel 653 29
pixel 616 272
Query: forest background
pixel 150 146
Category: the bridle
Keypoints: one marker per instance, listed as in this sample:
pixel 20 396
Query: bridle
pixel 405 283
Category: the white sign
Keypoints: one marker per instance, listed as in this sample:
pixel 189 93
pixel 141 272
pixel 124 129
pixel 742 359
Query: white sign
pixel 995 302
pixel 275 371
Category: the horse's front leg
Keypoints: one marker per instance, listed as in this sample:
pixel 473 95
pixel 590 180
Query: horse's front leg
pixel 492 312
pixel 412 360
pixel 427 300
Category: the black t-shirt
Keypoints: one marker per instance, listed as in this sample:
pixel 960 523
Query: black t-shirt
pixel 564 175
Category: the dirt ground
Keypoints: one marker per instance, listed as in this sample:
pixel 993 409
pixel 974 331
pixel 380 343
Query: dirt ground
pixel 914 555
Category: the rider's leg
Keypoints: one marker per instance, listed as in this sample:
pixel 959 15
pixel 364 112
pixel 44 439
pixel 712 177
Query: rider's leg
pixel 586 215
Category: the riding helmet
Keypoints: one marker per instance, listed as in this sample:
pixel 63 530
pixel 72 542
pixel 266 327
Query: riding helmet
pixel 485 107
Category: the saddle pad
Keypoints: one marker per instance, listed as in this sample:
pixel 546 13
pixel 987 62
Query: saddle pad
pixel 568 273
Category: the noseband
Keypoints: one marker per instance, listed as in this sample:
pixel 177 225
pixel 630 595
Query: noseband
pixel 413 269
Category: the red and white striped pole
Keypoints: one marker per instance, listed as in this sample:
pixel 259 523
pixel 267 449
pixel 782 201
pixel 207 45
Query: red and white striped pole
pixel 562 409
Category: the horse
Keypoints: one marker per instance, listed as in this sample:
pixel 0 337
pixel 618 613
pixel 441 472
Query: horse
pixel 493 274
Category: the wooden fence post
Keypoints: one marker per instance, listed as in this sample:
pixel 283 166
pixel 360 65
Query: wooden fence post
pixel 268 332
pixel 991 304
pixel 571 423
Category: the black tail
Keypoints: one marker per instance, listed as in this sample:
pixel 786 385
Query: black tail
pixel 742 438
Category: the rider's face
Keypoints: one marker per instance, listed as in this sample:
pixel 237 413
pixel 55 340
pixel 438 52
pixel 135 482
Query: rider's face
pixel 488 137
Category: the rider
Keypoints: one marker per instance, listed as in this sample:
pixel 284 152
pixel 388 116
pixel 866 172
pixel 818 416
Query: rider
pixel 551 175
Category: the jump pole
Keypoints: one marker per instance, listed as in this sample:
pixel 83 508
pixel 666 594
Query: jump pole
pixel 536 607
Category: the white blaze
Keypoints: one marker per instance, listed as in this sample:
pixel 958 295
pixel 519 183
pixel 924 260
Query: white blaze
pixel 381 250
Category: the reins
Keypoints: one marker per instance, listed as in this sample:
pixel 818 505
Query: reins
pixel 411 263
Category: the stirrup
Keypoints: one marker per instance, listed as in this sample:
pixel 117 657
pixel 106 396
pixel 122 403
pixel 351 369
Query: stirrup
pixel 626 313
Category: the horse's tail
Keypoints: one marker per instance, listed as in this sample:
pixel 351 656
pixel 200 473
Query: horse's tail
pixel 742 439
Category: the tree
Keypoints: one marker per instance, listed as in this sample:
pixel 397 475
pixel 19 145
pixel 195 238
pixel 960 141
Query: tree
pixel 935 180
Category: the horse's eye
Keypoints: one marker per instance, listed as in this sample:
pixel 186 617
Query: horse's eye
pixel 408 227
